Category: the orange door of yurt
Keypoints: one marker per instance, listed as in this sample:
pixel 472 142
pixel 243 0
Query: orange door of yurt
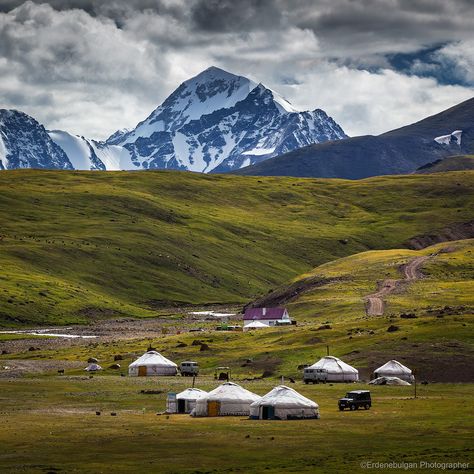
pixel 142 370
pixel 213 408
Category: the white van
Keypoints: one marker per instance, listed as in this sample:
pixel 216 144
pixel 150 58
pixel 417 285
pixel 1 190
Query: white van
pixel 315 375
pixel 189 368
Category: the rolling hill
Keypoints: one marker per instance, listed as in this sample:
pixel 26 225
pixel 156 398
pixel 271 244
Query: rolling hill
pixel 396 152
pixel 451 163
pixel 82 245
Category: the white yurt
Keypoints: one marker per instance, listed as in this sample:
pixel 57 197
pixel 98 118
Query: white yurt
pixel 152 363
pixel 93 367
pixel 255 325
pixel 393 368
pixel 185 401
pixel 337 370
pixel 283 403
pixel 227 399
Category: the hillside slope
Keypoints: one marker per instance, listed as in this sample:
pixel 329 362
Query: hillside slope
pixel 451 163
pixel 395 152
pixel 82 245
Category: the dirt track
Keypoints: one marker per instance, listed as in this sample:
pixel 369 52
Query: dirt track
pixel 411 271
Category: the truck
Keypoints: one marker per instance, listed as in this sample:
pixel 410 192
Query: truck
pixel 189 368
pixel 355 399
pixel 314 375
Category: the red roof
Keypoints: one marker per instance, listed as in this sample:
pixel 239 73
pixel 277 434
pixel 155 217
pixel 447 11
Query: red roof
pixel 258 313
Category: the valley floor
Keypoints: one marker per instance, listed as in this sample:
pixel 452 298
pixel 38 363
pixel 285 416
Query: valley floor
pixel 55 429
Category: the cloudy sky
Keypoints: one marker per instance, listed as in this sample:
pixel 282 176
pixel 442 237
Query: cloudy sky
pixel 94 66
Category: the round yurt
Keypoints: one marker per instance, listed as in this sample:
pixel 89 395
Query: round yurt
pixel 226 400
pixel 185 401
pixel 393 368
pixel 336 369
pixel 283 403
pixel 152 363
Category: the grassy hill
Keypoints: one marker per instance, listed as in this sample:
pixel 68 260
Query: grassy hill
pixel 82 245
pixel 452 163
pixel 437 338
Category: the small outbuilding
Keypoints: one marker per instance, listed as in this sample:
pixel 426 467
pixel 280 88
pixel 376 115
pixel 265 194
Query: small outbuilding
pixel 152 363
pixel 268 316
pixel 393 368
pixel 284 403
pixel 336 370
pixel 185 401
pixel 226 400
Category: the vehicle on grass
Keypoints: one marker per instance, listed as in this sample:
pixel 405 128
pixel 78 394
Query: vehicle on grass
pixel 356 399
pixel 315 375
pixel 189 368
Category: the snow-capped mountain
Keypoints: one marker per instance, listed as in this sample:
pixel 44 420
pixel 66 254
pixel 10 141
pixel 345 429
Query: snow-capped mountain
pixel 218 122
pixel 215 121
pixel 24 143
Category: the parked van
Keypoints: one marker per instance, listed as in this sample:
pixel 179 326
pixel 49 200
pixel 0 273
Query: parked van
pixel 314 375
pixel 189 368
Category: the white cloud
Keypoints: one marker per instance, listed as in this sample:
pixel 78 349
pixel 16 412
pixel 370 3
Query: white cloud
pixel 460 57
pixel 84 74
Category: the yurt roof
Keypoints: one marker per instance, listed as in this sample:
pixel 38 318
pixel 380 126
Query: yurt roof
pixel 393 366
pixel 153 358
pixel 334 365
pixel 285 397
pixel 191 394
pixel 230 391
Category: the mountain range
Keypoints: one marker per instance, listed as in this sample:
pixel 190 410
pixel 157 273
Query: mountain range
pixel 399 151
pixel 215 121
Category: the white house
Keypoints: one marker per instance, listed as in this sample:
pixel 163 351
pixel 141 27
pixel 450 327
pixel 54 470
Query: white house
pixel 268 316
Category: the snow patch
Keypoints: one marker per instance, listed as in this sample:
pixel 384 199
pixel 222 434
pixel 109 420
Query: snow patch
pixel 259 151
pixel 78 150
pixel 3 153
pixel 75 148
pixel 452 138
pixel 246 162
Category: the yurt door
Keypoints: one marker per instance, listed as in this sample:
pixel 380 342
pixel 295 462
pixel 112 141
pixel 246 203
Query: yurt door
pixel 181 406
pixel 213 408
pixel 268 412
pixel 142 370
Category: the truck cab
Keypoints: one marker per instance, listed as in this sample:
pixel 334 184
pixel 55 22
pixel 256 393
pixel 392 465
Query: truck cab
pixel 356 399
pixel 189 368
pixel 314 375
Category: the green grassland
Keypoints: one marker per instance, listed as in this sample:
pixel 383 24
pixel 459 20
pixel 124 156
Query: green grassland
pixel 76 246
pixel 55 429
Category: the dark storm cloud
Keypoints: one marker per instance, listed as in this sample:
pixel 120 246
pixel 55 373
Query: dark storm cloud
pixel 362 26
pixel 244 15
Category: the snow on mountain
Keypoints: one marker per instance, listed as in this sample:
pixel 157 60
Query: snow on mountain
pixel 87 154
pixel 215 121
pixel 218 122
pixel 24 143
pixel 452 138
